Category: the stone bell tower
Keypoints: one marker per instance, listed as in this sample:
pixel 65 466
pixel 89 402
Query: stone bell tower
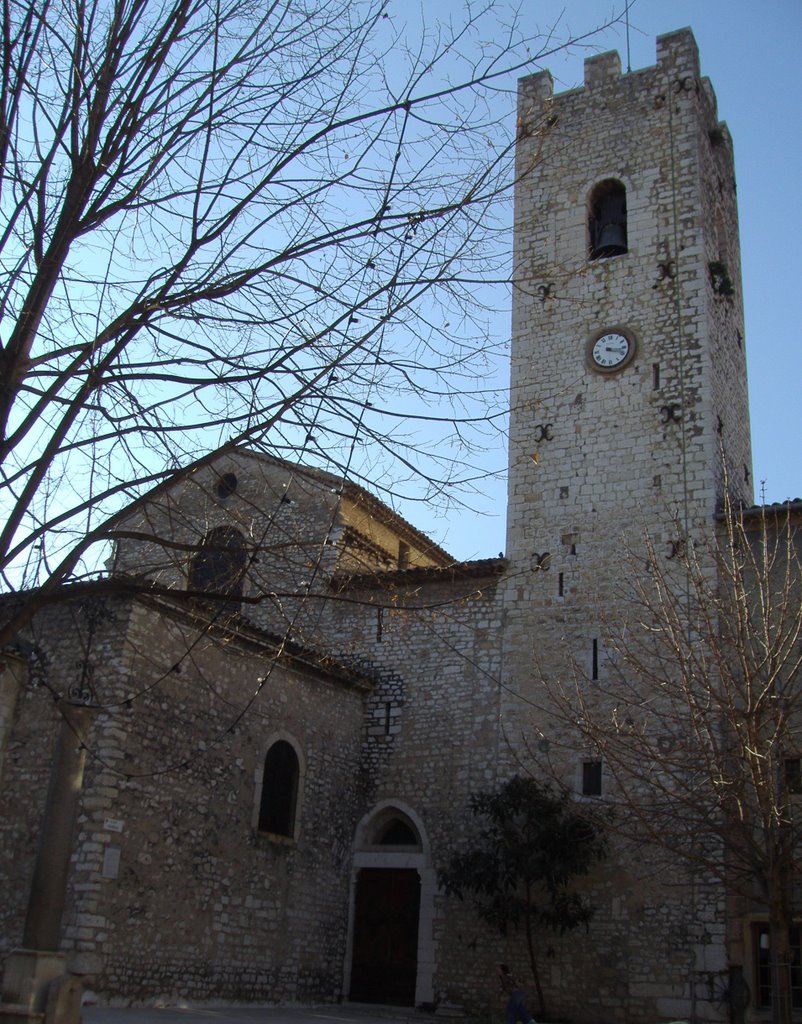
pixel 628 382
pixel 629 414
pixel 629 408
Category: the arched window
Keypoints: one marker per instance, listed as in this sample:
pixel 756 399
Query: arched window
pixel 607 220
pixel 397 833
pixel 218 567
pixel 226 485
pixel 392 828
pixel 279 790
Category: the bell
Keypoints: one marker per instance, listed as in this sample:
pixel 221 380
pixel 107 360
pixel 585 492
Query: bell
pixel 611 240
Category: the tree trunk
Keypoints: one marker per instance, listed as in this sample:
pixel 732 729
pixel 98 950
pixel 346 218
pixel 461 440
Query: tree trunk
pixel 780 921
pixel 530 945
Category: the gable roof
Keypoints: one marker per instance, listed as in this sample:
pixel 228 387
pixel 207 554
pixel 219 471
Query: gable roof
pixel 360 499
pixel 363 500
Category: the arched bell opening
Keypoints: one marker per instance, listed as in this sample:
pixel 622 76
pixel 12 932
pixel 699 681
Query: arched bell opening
pixel 607 220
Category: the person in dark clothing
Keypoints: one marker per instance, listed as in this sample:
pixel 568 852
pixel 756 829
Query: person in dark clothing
pixel 516 1011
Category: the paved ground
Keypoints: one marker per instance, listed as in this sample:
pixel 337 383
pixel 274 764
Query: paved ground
pixel 338 1014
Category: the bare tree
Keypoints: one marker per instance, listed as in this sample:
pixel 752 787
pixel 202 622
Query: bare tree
pixel 699 729
pixel 212 212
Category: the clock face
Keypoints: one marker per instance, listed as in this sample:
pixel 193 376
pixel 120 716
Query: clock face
pixel 610 351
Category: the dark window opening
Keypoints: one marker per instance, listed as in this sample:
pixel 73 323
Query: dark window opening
pixel 226 485
pixel 219 567
pixel 279 790
pixel 793 774
pixel 607 220
pixel 761 942
pixel 591 778
pixel 397 833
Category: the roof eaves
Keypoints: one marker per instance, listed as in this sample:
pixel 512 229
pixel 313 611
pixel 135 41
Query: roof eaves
pixel 455 571
pixel 790 506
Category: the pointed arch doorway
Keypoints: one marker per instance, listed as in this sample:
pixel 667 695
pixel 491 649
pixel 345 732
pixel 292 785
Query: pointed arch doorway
pixel 390 958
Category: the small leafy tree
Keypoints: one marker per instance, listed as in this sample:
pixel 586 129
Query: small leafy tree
pixel 530 844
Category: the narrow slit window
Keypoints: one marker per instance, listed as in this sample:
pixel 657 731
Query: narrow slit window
pixel 793 774
pixel 591 778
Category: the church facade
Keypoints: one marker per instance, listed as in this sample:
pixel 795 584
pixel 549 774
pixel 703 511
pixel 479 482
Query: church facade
pixel 272 781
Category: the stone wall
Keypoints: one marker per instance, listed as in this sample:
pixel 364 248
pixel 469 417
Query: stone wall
pixel 432 726
pixel 203 905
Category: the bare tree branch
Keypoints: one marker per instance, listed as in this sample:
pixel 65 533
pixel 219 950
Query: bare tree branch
pixel 699 725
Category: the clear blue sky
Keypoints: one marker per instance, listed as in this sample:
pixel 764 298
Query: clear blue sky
pixel 751 53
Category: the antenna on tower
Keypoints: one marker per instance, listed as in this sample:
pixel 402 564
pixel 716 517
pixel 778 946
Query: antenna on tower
pixel 626 22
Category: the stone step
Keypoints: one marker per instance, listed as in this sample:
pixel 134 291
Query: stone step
pixel 17 1013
